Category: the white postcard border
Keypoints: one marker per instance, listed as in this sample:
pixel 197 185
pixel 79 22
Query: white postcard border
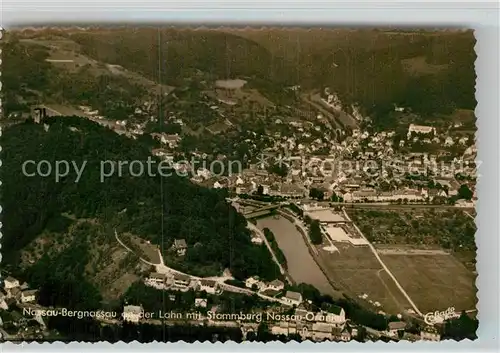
pixel 482 16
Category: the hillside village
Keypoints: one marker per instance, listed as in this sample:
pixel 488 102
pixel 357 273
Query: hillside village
pixel 301 319
pixel 332 168
pixel 312 159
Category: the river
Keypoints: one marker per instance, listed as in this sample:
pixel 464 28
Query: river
pixel 301 266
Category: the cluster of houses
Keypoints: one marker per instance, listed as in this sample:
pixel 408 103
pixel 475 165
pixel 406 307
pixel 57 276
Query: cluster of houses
pixel 181 282
pixel 332 325
pixel 351 184
pixel 170 140
pixel 272 289
pixel 324 325
pixel 15 292
pixel 304 173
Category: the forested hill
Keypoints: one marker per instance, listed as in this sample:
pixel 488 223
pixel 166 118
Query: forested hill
pixel 176 54
pixel 431 72
pixel 215 233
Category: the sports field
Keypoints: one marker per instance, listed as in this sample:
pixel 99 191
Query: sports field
pixel 434 282
pixel 356 271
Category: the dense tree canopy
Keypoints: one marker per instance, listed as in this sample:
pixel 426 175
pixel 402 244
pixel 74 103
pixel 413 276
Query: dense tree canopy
pixel 159 209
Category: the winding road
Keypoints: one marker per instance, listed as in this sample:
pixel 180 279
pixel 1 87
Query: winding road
pixel 263 237
pixel 162 268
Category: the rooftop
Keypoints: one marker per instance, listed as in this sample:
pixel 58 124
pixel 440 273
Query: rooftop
pixel 181 277
pixel 322 327
pixel 180 243
pixel 293 295
pixel 157 275
pixel 132 309
pixel 30 292
pixel 208 282
pixel 10 279
pixel 230 84
pixel 397 325
pixel 325 216
pixel 276 282
pixel 334 309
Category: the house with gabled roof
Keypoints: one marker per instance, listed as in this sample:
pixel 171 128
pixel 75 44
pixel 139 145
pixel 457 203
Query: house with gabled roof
pixel 180 246
pixel 276 285
pixel 292 298
pixel 209 286
pixel 182 281
pixel 29 295
pixel 132 313
pixel 395 327
pixel 10 282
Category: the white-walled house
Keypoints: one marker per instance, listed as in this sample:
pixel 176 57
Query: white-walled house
pixel 430 333
pixel 209 286
pixel 10 282
pixel 3 303
pixel 28 296
pixel 132 313
pixel 200 302
pixel 257 240
pixel 420 129
pixel 335 316
pixel 180 246
pixel 251 281
pixel 276 285
pixel 395 327
pixel 292 298
pixel 159 280
pixel 182 281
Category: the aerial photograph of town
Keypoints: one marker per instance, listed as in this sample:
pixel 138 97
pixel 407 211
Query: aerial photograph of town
pixel 237 184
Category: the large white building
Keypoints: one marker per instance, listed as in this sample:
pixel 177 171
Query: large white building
pixel 420 129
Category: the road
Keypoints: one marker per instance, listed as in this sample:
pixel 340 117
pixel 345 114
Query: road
pixel 468 214
pixel 130 250
pixel 386 205
pixel 374 251
pixel 162 268
pixel 263 237
pixel 339 117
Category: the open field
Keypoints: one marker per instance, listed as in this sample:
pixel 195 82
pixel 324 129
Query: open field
pixel 419 66
pixel 356 271
pixel 434 282
pixel 67 49
pixel 409 251
pixel 430 252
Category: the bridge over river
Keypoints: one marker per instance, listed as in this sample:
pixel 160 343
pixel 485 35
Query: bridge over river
pixel 262 211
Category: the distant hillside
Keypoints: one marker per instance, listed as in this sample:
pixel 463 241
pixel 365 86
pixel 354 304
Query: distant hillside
pixel 366 66
pixel 178 51
pixel 152 208
pixel 430 72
